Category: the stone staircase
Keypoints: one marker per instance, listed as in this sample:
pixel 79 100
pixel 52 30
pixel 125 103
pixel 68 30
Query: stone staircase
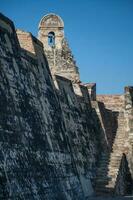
pixel 110 161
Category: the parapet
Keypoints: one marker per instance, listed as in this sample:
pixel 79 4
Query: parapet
pixel 85 94
pixel 92 90
pixel 27 41
pixel 6 23
pixel 62 82
pixel 32 46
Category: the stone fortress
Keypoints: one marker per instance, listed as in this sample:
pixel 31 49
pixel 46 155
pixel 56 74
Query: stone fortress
pixel 59 140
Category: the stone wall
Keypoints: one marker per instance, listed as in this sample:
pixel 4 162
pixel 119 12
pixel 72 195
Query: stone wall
pixel 54 132
pixel 49 142
pixel 92 90
pixel 30 129
pixel 112 102
pixel 129 126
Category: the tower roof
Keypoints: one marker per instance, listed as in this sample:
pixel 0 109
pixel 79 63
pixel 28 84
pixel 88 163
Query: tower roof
pixel 51 20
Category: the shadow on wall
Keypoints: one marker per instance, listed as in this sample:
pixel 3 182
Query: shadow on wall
pixel 84 130
pixel 124 182
pixel 110 122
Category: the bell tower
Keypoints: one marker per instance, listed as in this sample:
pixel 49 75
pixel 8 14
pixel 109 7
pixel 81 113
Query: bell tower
pixel 57 51
pixel 51 29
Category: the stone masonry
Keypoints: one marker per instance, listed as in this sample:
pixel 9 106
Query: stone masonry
pixel 59 140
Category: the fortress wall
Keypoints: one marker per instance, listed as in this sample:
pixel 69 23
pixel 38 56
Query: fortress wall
pixel 99 112
pixel 20 123
pixel 82 94
pixel 34 153
pixel 92 90
pixel 32 47
pixel 51 134
pixel 85 94
pixel 59 158
pixel 82 133
pixel 26 41
pixel 47 142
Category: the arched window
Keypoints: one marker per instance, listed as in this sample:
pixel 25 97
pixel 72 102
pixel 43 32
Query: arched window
pixel 51 39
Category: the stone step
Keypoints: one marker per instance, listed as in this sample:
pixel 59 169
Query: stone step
pixel 114 166
pixel 117 146
pixel 115 158
pixel 113 175
pixel 119 135
pixel 119 142
pixel 111 184
pixel 109 165
pixel 115 154
pixel 113 169
pixel 120 149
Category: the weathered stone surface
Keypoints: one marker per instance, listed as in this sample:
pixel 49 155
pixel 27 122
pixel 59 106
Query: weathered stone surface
pixel 114 168
pixel 58 140
pixel 48 145
pixel 129 125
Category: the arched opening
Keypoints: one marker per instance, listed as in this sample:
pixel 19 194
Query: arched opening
pixel 51 39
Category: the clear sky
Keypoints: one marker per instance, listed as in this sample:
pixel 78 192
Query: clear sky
pixel 100 34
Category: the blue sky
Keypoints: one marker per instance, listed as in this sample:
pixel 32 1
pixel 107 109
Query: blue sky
pixel 100 34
